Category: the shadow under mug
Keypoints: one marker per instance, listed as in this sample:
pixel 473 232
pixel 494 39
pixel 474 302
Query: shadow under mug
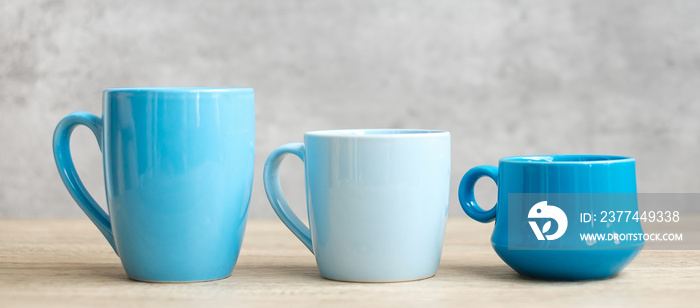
pixel 377 201
pixel 549 206
pixel 178 167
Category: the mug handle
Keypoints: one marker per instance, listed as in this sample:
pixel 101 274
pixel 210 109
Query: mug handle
pixel 66 168
pixel 466 193
pixel 273 189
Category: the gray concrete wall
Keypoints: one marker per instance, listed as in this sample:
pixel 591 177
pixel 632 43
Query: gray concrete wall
pixel 505 77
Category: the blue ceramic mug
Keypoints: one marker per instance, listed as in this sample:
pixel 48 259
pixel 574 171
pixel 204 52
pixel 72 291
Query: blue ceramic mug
pixel 178 166
pixel 548 205
pixel 377 201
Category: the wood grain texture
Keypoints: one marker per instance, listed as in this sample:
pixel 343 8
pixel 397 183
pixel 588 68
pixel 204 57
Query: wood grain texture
pixel 67 263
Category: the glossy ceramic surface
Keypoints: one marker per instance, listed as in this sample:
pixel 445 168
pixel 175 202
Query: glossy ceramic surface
pixel 576 184
pixel 178 165
pixel 377 201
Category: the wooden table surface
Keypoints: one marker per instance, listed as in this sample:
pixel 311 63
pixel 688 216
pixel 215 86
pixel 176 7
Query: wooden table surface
pixel 54 262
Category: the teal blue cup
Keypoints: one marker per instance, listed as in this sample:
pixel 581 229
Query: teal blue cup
pixel 377 201
pixel 561 217
pixel 178 168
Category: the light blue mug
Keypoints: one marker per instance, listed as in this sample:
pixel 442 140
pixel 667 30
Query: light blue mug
pixel 377 201
pixel 178 166
pixel 548 208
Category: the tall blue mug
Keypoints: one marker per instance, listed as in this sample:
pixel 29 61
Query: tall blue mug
pixel 377 201
pixel 178 168
pixel 561 217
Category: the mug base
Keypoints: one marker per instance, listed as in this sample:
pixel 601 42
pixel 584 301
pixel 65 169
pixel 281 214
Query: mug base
pixel 545 278
pixel 379 281
pixel 177 281
pixel 567 265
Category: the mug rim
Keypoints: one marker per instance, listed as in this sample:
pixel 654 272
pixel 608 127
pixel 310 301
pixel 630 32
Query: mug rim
pixel 567 159
pixel 376 133
pixel 144 90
